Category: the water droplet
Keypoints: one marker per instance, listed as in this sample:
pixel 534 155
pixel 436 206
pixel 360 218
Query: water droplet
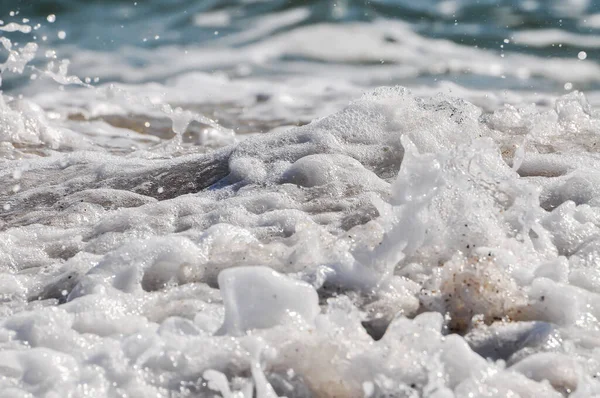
pixel 582 55
pixel 568 86
pixel 51 18
pixel 62 34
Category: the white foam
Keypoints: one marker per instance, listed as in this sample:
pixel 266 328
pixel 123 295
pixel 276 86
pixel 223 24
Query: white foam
pixel 406 244
pixel 259 298
pixel 496 258
pixel 548 37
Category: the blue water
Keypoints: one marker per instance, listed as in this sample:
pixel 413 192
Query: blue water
pixel 108 25
pixel 135 29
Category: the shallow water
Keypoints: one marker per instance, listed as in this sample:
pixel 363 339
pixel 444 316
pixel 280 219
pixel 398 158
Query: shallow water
pixel 214 198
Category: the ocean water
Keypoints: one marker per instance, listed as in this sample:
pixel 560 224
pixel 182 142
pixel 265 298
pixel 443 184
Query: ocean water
pixel 246 198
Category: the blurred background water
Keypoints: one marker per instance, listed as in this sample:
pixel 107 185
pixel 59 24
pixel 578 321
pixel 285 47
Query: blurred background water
pixel 256 65
pixel 146 33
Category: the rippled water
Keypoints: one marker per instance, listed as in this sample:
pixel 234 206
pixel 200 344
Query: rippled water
pixel 217 198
